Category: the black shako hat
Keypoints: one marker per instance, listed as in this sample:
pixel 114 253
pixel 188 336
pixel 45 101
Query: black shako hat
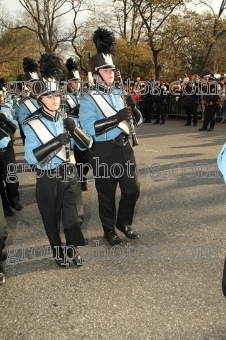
pixel 31 68
pixel 104 41
pixel 73 73
pixel 51 70
pixel 20 83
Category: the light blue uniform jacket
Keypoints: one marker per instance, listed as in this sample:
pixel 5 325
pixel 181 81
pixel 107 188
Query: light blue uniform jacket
pixel 221 161
pixel 55 126
pixel 24 110
pixel 6 109
pixel 89 113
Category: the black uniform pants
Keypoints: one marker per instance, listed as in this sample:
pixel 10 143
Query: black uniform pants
pixel 160 112
pixel 22 135
pixel 210 115
pixel 81 157
pixel 3 233
pixel 147 110
pixel 191 111
pixel 114 156
pixel 7 156
pixel 56 199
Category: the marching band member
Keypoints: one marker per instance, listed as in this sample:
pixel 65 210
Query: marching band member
pixel 22 92
pixel 8 185
pixel 3 237
pixel 104 116
pixel 29 104
pixel 73 82
pixel 58 191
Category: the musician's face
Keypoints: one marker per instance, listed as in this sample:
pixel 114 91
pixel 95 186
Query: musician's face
pixel 52 103
pixel 75 86
pixel 108 75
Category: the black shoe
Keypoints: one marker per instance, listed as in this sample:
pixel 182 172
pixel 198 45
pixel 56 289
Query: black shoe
pixel 8 211
pixel 126 230
pixel 2 276
pixel 156 122
pixel 210 129
pixel 187 124
pixel 203 129
pixel 162 123
pixel 62 264
pixel 84 186
pixel 75 258
pixel 17 206
pixel 112 238
pixel 3 257
pixel 60 260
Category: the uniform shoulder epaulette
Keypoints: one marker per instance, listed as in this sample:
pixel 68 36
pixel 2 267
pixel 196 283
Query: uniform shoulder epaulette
pixel 23 99
pixel 30 105
pixel 5 105
pixel 35 115
pixel 28 99
pixel 18 101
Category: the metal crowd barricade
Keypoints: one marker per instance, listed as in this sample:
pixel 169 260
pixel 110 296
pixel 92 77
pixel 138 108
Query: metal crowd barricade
pixel 175 106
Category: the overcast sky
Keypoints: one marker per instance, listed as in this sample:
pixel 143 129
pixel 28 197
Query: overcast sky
pixel 13 6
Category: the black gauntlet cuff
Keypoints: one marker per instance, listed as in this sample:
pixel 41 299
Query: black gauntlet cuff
pixel 103 125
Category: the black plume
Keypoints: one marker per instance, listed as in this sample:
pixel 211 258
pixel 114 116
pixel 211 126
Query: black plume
pixel 20 80
pixel 71 64
pixel 30 65
pixel 19 77
pixel 3 81
pixel 104 41
pixel 51 66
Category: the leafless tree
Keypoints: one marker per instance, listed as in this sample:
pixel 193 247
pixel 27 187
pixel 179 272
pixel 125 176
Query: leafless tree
pixel 43 18
pixel 154 15
pixel 80 31
pixel 218 24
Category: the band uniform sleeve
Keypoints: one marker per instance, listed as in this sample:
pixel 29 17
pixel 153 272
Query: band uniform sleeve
pixel 88 115
pixel 73 141
pixel 24 112
pixel 31 143
pixel 4 140
pixel 8 114
pixel 221 161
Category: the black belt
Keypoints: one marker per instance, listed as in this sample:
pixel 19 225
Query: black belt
pixel 6 148
pixel 121 139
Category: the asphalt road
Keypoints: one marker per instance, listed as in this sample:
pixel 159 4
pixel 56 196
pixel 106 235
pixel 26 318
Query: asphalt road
pixel 166 285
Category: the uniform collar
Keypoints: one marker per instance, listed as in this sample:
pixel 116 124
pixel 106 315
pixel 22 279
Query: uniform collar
pixel 72 92
pixel 49 117
pixel 104 89
pixel 32 96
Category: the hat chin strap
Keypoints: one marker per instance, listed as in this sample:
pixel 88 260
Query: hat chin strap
pixel 98 73
pixel 39 101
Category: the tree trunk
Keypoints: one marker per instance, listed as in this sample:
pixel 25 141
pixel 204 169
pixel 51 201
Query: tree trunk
pixel 206 58
pixel 157 67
